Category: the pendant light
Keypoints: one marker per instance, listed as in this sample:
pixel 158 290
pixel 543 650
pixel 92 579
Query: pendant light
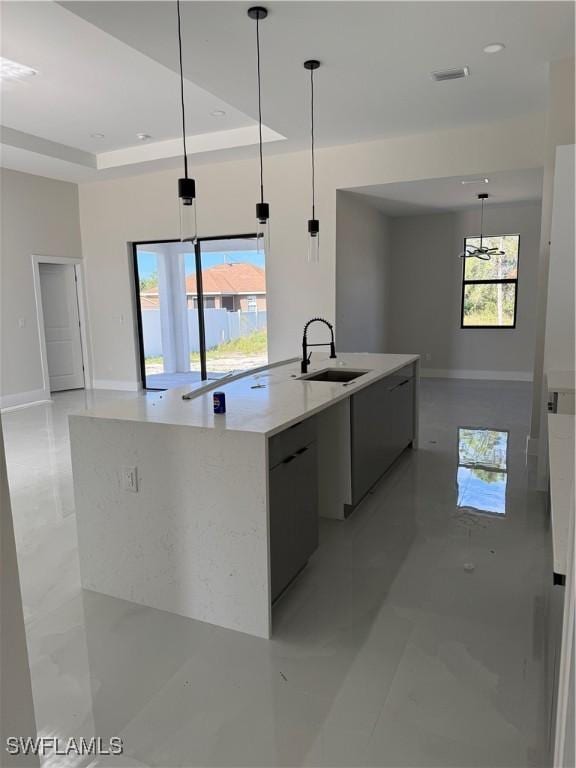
pixel 186 186
pixel 313 224
pixel 258 13
pixel 481 252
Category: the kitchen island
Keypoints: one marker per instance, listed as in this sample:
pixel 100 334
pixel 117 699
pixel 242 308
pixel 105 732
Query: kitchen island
pixel 211 516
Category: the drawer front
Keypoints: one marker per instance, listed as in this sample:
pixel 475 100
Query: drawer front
pixel 407 372
pixel 400 376
pixel 286 443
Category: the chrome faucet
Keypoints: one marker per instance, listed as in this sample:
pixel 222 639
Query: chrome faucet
pixel 305 356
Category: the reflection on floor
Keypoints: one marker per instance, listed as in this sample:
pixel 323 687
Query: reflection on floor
pixel 176 380
pixel 171 380
pixel 482 475
pixel 413 638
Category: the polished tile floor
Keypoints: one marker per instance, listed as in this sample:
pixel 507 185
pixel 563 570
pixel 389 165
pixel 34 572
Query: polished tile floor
pixel 415 637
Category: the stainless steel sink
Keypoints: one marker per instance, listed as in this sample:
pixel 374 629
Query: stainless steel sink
pixel 338 375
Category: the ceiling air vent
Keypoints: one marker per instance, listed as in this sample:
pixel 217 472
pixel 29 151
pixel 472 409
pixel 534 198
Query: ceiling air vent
pixel 450 74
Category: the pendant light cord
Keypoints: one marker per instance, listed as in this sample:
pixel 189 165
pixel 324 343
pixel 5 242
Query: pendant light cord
pixel 481 221
pixel 259 109
pixel 182 90
pixel 312 143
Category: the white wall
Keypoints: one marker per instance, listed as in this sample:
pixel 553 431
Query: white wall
pixel 559 131
pixel 39 216
pixel 362 275
pixel 426 283
pixel 114 212
pixel 559 346
pixel 425 289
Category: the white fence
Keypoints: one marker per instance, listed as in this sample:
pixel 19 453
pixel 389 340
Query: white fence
pixel 220 326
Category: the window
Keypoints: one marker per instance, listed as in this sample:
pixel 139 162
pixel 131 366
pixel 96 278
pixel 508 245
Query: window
pixel 482 470
pixel 489 288
pixel 191 321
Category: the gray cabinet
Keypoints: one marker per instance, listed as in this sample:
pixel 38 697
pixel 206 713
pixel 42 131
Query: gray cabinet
pixel 382 426
pixel 293 497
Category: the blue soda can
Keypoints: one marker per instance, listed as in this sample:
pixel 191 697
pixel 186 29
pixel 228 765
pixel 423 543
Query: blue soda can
pixel 219 402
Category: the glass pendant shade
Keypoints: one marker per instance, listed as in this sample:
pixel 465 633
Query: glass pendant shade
pixel 263 237
pixel 187 205
pixel 263 228
pixel 313 255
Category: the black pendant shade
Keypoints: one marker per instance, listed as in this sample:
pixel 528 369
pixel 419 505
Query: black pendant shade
pixel 186 186
pixel 258 13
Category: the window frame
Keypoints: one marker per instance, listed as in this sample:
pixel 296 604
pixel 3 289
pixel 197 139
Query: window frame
pixel 504 281
pixel 137 307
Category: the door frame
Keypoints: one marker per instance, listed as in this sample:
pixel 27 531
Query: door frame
pixel 77 263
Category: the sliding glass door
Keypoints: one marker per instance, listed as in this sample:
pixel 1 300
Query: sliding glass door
pixel 234 291
pixel 201 311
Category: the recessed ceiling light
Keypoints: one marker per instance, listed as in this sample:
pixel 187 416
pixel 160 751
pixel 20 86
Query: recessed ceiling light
pixel 218 113
pixel 143 136
pixel 475 181
pixel 494 47
pixel 96 135
pixel 13 71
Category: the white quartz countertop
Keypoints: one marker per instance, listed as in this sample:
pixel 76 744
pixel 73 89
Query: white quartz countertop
pixel 561 456
pixel 264 402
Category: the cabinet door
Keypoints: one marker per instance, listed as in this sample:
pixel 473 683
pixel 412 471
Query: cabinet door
pixel 382 420
pixel 293 516
pixel 282 502
pixel 402 406
pixel 305 474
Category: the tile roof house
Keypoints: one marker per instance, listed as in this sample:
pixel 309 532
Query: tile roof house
pixel 232 286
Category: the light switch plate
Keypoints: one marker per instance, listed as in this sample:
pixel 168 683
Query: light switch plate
pixel 130 479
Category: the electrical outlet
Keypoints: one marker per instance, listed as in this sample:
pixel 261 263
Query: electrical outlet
pixel 130 479
pixel 428 357
pixel 21 322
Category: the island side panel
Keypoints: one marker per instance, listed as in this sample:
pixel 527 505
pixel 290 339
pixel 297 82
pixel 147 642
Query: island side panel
pixel 416 441
pixel 193 539
pixel 334 460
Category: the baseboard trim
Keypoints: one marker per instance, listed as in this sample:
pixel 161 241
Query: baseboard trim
pixel 124 386
pixel 23 400
pixel 460 373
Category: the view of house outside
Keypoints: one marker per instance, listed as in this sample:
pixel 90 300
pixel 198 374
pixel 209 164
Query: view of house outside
pixel 235 311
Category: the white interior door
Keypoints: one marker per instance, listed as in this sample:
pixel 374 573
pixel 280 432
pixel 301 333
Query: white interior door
pixel 61 326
